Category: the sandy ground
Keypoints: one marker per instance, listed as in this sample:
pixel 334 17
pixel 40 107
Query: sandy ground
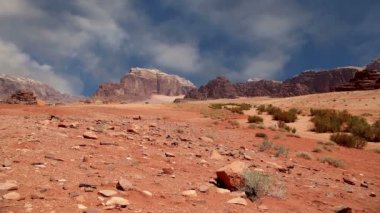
pixel 48 162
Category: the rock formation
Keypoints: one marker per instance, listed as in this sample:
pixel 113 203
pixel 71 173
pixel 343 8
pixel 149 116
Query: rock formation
pixel 367 79
pixel 141 84
pixel 217 88
pixel 10 84
pixel 22 97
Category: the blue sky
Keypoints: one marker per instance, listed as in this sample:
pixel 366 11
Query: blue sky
pixel 75 45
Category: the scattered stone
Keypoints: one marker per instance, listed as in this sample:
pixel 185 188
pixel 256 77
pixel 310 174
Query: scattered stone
pixel 342 209
pixel 52 157
pixel 189 193
pixel 168 170
pixel 232 175
pixel 204 188
pixel 206 139
pixel 90 135
pixel 133 128
pixel 105 143
pixel 12 196
pixel 82 207
pixel 215 155
pixel 372 194
pixel 222 191
pixel 6 163
pixel 37 197
pixel 169 155
pixel 364 184
pixel 248 157
pixel 8 186
pixel 147 193
pixel 117 201
pixel 107 193
pixel 124 184
pixel 92 210
pixel 238 201
pixel 238 194
pixel 263 208
pixel 87 185
pixel 349 181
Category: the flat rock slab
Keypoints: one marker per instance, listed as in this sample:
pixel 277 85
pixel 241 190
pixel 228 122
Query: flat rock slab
pixel 107 193
pixel 8 186
pixel 12 196
pixel 90 135
pixel 238 201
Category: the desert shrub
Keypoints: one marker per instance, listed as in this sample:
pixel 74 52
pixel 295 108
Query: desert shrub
pixel 237 110
pixel 348 140
pixel 265 145
pixel 376 150
pixel 261 135
pixel 282 125
pixel 332 161
pixel 216 106
pixel 256 184
pixel 255 119
pixel 376 131
pixel 328 120
pixel 261 108
pixel 305 155
pixel 234 123
pixel 245 106
pixel 317 149
pixel 359 126
pixel 281 150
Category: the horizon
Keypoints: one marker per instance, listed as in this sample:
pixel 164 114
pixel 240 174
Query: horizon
pixel 74 46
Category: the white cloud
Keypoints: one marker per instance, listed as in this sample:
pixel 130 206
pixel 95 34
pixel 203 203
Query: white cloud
pixel 14 62
pixel 18 8
pixel 181 57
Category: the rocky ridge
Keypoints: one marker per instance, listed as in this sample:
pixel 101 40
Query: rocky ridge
pixel 141 83
pixel 10 84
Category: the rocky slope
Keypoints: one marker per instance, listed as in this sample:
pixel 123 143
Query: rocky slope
pixel 10 84
pixel 217 88
pixel 367 79
pixel 140 84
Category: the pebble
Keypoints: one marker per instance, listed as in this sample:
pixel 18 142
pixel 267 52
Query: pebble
pixel 118 201
pixel 168 170
pixel 82 207
pixel 349 181
pixel 373 194
pixel 263 208
pixel 222 191
pixel 189 193
pixel 206 139
pixel 124 184
pixel 8 186
pixel 147 193
pixel 107 193
pixel 170 155
pixel 90 135
pixel 238 201
pixel 92 210
pixel 342 209
pixel 203 188
pixel 12 196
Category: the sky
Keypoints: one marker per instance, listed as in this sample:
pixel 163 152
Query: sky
pixel 75 45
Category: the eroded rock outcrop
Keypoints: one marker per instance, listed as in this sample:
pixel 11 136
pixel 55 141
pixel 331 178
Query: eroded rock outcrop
pixel 22 97
pixel 140 84
pixel 10 84
pixel 217 88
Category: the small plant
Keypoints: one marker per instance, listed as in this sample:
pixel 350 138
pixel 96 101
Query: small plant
pixel 261 135
pixel 234 124
pixel 348 140
pixel 281 151
pixel 282 125
pixel 376 150
pixel 255 119
pixel 317 149
pixel 336 162
pixel 304 155
pixel 256 184
pixel 265 145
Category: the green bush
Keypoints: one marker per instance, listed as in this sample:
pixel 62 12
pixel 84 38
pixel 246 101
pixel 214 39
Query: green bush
pixel 376 131
pixel 359 126
pixel 256 184
pixel 282 125
pixel 265 145
pixel 281 151
pixel 255 119
pixel 236 110
pixel 348 140
pixel 261 108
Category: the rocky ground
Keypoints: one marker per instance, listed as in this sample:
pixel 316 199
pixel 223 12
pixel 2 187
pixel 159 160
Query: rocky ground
pixel 164 158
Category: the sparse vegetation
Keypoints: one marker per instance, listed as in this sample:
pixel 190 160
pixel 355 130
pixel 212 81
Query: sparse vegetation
pixel 261 135
pixel 278 114
pixel 281 150
pixel 256 184
pixel 376 150
pixel 317 149
pixel 305 155
pixel 336 162
pixel 233 107
pixel 265 145
pixel 282 125
pixel 348 140
pixel 255 119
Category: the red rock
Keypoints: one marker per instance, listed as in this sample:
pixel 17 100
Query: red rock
pixel 232 175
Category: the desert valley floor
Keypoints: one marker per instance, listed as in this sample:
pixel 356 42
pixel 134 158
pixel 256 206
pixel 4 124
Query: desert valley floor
pixel 72 158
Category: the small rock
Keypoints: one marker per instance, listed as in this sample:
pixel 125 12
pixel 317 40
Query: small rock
pixel 147 193
pixel 215 155
pixel 232 175
pixel 364 184
pixel 342 209
pixel 263 208
pixel 90 135
pixel 206 139
pixel 189 193
pixel 106 143
pixel 248 157
pixel 169 155
pixel 372 194
pixel 6 163
pixel 92 210
pixel 204 188
pixel 87 185
pixel 349 181
pixel 238 201
pixel 124 184
pixel 12 196
pixel 8 186
pixel 133 128
pixel 117 201
pixel 222 191
pixel 168 170
pixel 107 193
pixel 82 207
pixel 37 197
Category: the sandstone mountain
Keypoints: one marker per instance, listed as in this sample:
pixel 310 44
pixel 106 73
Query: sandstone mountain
pixel 9 85
pixel 367 79
pixel 307 82
pixel 140 84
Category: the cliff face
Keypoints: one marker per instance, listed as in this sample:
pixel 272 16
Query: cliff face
pixel 367 79
pixel 140 84
pixel 10 84
pixel 219 87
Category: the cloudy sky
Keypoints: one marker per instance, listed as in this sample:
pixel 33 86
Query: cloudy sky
pixel 74 45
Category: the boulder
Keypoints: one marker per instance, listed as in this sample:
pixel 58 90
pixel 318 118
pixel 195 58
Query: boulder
pixel 231 176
